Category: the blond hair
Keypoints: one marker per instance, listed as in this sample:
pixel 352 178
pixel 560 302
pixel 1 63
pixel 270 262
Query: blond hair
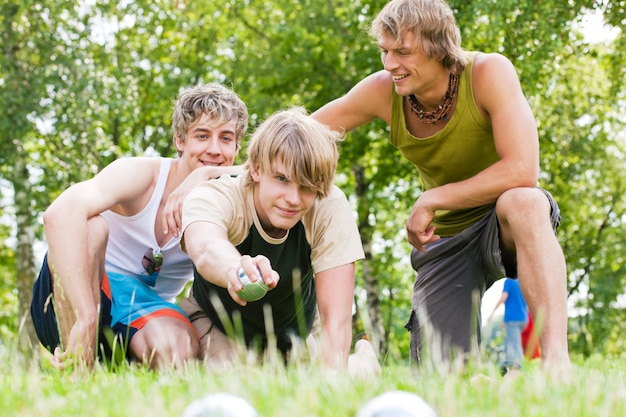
pixel 306 149
pixel 219 102
pixel 433 24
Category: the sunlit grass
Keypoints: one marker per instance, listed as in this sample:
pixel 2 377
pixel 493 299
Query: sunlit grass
pixel 597 387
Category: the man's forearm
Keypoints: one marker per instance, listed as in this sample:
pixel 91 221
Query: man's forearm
pixel 214 263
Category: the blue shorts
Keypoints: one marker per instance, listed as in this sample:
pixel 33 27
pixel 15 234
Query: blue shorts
pixel 127 305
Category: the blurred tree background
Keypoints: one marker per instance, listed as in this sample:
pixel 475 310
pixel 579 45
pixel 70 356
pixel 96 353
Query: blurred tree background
pixel 83 83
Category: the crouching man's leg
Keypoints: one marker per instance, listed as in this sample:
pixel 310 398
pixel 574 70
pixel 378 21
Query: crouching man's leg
pixel 66 303
pixel 147 328
pixel 165 341
pixel 527 222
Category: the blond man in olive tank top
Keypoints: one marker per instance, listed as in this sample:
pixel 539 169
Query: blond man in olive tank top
pixel 462 119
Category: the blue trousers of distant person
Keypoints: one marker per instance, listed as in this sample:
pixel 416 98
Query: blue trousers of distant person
pixel 513 342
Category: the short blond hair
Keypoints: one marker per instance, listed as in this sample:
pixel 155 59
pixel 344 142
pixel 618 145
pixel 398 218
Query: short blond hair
pixel 306 148
pixel 433 24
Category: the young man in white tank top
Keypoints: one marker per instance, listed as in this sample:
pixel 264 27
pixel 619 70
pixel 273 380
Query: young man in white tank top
pixel 114 264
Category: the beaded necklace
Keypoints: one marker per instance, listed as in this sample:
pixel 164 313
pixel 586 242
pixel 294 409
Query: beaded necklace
pixel 441 113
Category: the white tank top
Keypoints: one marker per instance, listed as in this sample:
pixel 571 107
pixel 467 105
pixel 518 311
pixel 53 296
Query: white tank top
pixel 130 237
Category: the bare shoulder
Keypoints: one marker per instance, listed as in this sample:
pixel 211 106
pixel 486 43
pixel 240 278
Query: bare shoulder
pixel 128 178
pixel 137 168
pixel 369 99
pixel 376 87
pixel 495 82
pixel 381 85
pixel 492 66
pixel 380 80
pixel 134 163
pixel 122 185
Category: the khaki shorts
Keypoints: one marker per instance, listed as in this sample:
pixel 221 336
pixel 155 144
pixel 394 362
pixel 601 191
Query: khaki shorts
pixel 215 346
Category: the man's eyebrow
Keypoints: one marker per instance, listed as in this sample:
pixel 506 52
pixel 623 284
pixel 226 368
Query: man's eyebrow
pixel 396 48
pixel 205 129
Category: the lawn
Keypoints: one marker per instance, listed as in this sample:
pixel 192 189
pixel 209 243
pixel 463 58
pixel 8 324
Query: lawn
pixel 597 387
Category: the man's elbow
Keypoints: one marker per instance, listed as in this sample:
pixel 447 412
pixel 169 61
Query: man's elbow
pixel 523 175
pixel 54 215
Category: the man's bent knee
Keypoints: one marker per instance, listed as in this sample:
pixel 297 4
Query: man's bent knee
pixel 164 342
pixel 521 198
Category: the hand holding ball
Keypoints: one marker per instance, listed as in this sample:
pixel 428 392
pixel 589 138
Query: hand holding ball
pixel 252 291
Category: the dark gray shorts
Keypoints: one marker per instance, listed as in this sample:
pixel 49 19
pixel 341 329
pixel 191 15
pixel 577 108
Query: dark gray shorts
pixel 452 277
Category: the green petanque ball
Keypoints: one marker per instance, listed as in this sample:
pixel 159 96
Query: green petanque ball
pixel 252 291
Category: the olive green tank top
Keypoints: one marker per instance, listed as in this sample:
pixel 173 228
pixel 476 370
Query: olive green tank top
pixel 464 147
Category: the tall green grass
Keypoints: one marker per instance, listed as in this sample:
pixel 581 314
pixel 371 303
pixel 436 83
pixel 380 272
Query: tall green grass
pixel 597 387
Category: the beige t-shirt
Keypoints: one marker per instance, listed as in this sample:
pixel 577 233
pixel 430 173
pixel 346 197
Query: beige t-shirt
pixel 330 224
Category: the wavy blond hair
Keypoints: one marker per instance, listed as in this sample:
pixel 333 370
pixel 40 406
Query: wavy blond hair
pixel 433 24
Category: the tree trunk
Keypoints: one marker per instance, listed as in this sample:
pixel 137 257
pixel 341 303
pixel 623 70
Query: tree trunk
pixel 24 254
pixel 373 320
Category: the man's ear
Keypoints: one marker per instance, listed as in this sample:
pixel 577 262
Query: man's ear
pixel 178 142
pixel 254 172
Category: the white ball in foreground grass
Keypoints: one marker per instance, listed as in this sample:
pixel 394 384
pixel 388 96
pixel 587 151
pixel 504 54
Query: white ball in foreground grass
pixel 252 291
pixel 221 404
pixel 396 404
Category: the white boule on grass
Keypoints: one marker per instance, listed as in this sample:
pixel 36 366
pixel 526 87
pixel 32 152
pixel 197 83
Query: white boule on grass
pixel 252 291
pixel 221 404
pixel 396 404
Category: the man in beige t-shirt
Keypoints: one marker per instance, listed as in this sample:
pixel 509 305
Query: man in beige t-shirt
pixel 283 222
